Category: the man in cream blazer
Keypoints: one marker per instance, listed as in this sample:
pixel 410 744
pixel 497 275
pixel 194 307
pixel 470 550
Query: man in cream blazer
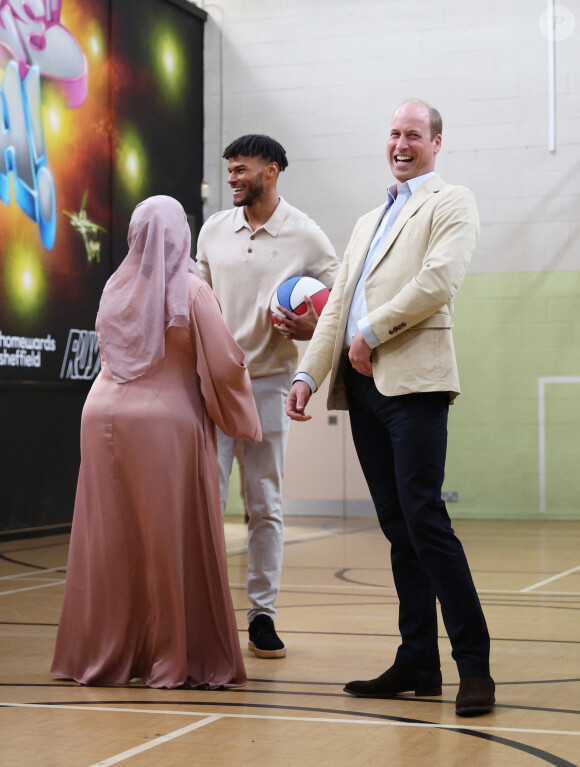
pixel 385 337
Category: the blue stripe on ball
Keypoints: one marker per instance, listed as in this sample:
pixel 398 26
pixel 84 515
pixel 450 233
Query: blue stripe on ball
pixel 285 291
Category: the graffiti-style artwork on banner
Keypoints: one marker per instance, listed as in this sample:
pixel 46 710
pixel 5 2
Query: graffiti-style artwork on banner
pixel 54 186
pixel 97 113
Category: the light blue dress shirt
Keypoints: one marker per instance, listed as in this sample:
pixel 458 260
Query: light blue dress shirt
pixel 358 314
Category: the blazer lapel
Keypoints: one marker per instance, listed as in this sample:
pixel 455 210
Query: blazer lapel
pixel 366 237
pixel 417 199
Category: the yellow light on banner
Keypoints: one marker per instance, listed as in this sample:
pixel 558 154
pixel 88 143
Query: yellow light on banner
pixel 95 46
pixel 169 59
pixel 57 118
pixel 132 162
pixel 94 42
pixel 53 119
pixel 25 280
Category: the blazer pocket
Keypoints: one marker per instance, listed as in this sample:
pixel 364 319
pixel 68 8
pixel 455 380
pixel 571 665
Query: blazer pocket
pixel 437 320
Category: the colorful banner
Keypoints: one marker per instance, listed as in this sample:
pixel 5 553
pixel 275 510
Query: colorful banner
pixel 55 160
pixel 97 113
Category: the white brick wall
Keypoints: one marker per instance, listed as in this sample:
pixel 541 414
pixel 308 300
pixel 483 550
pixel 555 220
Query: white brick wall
pixel 324 76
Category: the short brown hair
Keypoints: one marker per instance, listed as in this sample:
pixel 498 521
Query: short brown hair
pixel 435 119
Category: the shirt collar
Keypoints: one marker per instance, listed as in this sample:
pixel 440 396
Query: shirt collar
pixel 411 185
pixel 272 225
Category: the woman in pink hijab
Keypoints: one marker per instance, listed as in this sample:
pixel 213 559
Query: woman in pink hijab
pixel 147 592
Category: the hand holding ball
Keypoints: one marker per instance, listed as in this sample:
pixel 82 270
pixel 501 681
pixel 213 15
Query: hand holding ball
pixel 290 294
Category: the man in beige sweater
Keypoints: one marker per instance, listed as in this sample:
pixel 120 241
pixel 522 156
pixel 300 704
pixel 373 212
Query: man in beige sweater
pixel 245 253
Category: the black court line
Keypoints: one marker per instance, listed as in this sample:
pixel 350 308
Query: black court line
pixel 24 564
pixel 321 591
pixel 52 545
pixel 514 744
pixel 445 684
pixel 398 636
pixel 323 604
pixel 412 699
pixel 341 575
pixel 387 569
pixel 388 600
pixel 23 623
pixel 339 633
pixel 491 603
pixel 541 600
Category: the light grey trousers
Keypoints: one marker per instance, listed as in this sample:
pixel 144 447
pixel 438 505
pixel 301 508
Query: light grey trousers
pixel 263 469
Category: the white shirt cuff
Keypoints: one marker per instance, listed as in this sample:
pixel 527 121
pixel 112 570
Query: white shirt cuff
pixel 307 379
pixel 368 333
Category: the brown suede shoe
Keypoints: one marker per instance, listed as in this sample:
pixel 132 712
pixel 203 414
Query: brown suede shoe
pixel 476 696
pixel 398 679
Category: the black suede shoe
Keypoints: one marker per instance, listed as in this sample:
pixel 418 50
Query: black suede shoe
pixel 264 642
pixel 476 696
pixel 396 680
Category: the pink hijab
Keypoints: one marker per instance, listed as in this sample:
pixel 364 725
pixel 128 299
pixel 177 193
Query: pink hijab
pixel 148 293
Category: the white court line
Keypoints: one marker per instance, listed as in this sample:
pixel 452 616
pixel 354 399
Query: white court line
pixel 317 719
pixel 354 587
pixel 292 538
pixel 38 573
pixel 32 588
pixel 553 578
pixel 157 742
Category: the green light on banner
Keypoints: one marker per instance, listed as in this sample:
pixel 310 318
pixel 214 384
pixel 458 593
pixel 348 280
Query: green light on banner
pixel 25 281
pixel 169 60
pixel 132 162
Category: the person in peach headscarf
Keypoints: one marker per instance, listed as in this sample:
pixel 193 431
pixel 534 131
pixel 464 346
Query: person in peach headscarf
pixel 147 593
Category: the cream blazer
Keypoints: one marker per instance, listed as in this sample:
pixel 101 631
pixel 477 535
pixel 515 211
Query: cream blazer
pixel 409 295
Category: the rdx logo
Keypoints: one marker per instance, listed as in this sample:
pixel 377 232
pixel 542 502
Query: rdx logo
pixel 37 45
pixel 82 360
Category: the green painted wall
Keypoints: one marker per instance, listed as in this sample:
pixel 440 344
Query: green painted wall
pixel 511 330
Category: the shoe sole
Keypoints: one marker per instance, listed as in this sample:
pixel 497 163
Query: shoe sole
pixel 266 653
pixel 474 710
pixel 426 693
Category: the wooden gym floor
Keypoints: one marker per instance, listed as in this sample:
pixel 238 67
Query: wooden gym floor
pixel 337 614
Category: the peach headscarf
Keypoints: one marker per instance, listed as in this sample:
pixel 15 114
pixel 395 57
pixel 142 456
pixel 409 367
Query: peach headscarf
pixel 148 293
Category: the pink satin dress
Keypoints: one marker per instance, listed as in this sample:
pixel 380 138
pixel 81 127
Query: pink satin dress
pixel 147 591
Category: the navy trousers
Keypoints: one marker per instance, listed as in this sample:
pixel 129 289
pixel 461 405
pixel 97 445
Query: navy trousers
pixel 401 444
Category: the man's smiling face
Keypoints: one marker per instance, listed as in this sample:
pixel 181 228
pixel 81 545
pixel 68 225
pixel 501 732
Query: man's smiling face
pixel 246 179
pixel 410 150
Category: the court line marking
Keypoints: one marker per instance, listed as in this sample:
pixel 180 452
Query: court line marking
pixel 344 587
pixel 157 742
pixel 32 588
pixel 330 720
pixel 241 548
pixel 553 578
pixel 31 573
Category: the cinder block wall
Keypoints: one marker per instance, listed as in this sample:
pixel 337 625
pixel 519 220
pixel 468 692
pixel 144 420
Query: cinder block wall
pixel 323 77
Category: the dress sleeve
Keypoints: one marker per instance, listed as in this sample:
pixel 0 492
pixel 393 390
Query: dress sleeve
pixel 225 381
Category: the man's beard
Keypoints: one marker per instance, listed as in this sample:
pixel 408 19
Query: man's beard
pixel 253 193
